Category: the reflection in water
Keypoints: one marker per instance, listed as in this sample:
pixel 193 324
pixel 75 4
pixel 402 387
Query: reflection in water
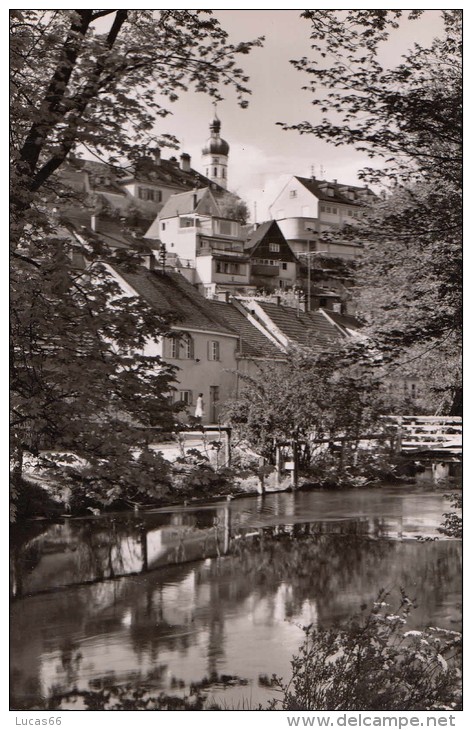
pixel 238 614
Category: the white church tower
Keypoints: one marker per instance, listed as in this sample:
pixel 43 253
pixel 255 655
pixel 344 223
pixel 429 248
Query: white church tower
pixel 215 156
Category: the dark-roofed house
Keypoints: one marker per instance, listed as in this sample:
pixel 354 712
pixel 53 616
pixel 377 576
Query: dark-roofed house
pixel 273 263
pixel 137 191
pixel 291 327
pixel 256 344
pixel 201 344
pixel 307 207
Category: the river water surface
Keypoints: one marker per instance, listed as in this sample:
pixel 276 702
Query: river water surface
pixel 169 597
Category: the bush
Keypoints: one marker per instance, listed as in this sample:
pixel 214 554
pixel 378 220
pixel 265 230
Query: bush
pixel 373 663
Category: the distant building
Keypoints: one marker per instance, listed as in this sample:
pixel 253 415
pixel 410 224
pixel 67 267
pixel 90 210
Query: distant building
pixel 215 155
pixel 139 190
pixel 307 207
pixel 273 264
pixel 203 242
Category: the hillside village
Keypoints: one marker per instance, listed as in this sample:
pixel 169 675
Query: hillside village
pixel 241 294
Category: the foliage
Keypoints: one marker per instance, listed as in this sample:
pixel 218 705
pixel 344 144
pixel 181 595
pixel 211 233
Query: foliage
pixel 310 395
pixel 452 525
pixel 81 381
pixel 90 77
pixel 374 664
pixel 409 117
pixel 193 475
pixel 235 209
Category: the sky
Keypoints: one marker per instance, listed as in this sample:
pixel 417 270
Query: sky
pixel 262 155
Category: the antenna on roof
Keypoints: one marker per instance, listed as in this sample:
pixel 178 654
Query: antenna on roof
pixel 255 212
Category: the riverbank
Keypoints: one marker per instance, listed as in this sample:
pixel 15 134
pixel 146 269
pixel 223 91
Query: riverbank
pixel 199 481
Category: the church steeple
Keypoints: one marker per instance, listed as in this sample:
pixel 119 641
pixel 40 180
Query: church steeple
pixel 215 155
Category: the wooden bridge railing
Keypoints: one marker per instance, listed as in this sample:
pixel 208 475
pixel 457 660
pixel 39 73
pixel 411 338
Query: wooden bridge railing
pixel 428 433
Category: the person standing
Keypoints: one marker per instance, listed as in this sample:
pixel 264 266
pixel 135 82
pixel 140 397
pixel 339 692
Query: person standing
pixel 199 407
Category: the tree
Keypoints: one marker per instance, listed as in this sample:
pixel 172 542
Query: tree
pixel 311 395
pixel 81 383
pixel 410 115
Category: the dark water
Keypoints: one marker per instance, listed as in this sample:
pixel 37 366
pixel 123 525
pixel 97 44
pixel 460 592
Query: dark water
pixel 169 597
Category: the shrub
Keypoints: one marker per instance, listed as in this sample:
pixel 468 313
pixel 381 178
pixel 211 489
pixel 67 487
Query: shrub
pixel 374 663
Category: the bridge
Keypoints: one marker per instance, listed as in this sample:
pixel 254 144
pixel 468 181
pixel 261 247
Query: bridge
pixel 434 435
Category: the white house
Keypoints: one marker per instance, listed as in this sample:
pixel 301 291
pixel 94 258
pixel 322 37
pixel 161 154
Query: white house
pixel 307 207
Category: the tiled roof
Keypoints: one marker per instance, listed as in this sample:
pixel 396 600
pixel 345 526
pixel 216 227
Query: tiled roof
pixel 184 203
pixel 319 188
pixel 166 172
pixel 344 320
pixel 171 294
pixel 253 343
pixel 311 329
pixel 109 230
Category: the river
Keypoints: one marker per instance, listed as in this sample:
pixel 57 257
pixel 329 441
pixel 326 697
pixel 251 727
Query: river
pixel 171 596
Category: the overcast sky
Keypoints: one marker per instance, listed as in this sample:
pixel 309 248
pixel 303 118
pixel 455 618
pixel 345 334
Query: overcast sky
pixel 262 155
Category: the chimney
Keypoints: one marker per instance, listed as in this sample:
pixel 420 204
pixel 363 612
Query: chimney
pixel 335 181
pixel 185 162
pixel 156 153
pixel 173 160
pixel 93 222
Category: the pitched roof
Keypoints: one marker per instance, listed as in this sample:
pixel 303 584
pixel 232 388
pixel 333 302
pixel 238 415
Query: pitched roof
pixel 303 328
pixel 262 234
pixel 111 231
pixel 253 343
pixel 184 203
pixel 345 321
pixel 319 188
pixel 171 294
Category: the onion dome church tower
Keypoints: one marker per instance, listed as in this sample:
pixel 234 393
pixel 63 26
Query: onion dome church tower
pixel 215 156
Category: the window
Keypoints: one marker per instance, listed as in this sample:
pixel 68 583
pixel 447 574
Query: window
pixel 178 347
pixel 206 172
pixel 284 265
pixel 215 160
pixel 334 209
pixel 223 172
pixel 150 194
pixel 163 226
pixel 350 213
pixel 185 348
pixel 214 350
pixel 225 267
pixel 225 227
pixel 293 194
pixel 184 396
pixel 274 247
pixel 215 171
pixel 186 222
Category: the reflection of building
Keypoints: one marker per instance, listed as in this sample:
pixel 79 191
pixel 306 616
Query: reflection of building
pixel 307 207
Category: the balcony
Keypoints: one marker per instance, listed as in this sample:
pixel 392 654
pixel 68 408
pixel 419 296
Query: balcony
pixel 264 270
